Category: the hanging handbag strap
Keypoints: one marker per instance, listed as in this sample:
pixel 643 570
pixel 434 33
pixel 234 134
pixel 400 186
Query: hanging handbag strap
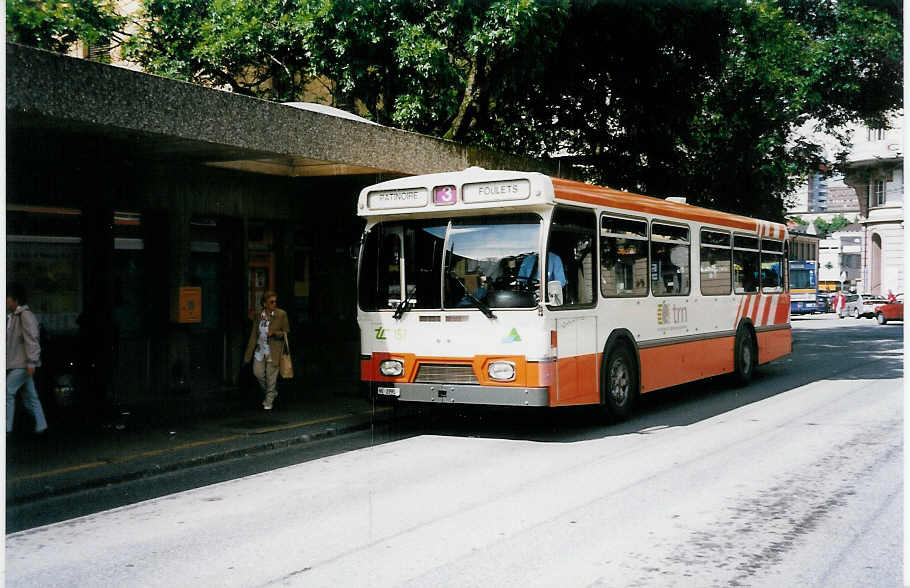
pixel 287 346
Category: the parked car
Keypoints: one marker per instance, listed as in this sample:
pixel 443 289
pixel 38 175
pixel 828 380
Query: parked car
pixel 823 303
pixel 861 306
pixel 890 311
pixel 849 303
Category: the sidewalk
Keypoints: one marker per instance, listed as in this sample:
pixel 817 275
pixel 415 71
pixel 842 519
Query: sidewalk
pixel 74 458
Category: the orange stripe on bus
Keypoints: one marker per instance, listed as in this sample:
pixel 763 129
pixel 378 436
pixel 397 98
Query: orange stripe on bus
pixel 670 365
pixel 774 344
pixel 576 380
pixel 783 310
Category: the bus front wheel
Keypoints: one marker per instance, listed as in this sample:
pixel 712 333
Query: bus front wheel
pixel 620 382
pixel 744 356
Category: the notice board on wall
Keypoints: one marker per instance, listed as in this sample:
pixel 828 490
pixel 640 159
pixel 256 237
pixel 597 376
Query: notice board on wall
pixel 190 305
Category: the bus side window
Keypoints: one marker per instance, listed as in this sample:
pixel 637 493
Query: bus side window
pixel 570 257
pixel 623 257
pixel 771 266
pixel 669 260
pixel 746 264
pixel 715 263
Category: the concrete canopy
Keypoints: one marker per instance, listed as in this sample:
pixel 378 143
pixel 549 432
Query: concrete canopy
pixel 52 98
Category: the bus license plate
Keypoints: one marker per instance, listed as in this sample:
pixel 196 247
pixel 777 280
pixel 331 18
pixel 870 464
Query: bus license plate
pixel 389 391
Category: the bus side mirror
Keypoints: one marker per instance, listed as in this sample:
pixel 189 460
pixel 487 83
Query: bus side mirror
pixel 554 293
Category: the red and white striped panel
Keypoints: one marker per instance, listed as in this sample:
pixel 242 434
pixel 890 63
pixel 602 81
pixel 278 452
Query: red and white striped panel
pixel 764 309
pixel 771 230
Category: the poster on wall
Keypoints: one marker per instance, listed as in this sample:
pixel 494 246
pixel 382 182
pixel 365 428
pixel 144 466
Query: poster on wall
pixel 190 309
pixel 51 274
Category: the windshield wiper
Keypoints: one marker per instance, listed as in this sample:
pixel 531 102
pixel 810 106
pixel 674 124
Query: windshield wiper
pixel 404 305
pixel 483 307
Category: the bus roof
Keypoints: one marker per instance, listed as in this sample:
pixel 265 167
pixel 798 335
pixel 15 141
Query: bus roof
pixel 590 194
pixel 476 189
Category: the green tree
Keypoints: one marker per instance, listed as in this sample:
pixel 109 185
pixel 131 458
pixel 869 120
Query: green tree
pixel 825 227
pixel 750 74
pixel 56 25
pixel 433 67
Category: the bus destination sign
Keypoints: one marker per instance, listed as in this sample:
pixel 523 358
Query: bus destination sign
pixel 405 198
pixel 497 191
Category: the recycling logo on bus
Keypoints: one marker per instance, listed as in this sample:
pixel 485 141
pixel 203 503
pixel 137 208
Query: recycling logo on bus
pixel 512 337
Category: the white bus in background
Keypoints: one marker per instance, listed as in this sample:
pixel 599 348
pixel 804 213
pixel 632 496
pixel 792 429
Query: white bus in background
pixel 513 288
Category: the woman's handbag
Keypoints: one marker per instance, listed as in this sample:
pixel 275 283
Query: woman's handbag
pixel 285 365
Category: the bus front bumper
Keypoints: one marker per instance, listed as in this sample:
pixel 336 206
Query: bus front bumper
pixel 464 394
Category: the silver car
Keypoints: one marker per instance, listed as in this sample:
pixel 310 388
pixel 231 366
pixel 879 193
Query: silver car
pixel 860 306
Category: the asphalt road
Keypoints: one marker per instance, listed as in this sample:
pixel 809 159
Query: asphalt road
pixel 793 480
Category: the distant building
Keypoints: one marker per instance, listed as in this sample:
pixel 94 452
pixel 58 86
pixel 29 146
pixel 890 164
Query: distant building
pixel 872 191
pixel 842 198
pixel 876 173
pixel 818 193
pixel 840 259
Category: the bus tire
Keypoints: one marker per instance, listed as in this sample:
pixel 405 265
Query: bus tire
pixel 745 355
pixel 620 382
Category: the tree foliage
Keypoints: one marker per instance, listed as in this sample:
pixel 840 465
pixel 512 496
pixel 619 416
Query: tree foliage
pixel 826 227
pixel 55 25
pixel 693 98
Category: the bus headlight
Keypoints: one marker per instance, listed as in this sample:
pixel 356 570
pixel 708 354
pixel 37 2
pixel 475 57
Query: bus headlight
pixel 391 367
pixel 504 371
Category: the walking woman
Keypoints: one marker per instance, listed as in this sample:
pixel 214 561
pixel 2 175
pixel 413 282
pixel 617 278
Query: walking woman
pixel 264 346
pixel 23 357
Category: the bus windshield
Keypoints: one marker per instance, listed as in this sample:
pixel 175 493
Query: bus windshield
pixel 450 263
pixel 802 279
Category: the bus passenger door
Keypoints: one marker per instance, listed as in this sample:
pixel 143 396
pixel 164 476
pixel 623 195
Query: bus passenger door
pixel 576 372
pixel 571 262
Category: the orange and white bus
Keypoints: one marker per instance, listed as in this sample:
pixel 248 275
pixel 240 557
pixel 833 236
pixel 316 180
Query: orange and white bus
pixel 637 294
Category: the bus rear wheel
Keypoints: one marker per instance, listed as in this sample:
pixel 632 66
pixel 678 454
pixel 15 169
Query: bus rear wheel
pixel 620 383
pixel 744 356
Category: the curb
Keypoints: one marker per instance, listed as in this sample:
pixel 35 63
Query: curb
pixel 333 429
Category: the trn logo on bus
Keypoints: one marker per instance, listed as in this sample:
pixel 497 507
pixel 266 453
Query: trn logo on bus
pixel 671 315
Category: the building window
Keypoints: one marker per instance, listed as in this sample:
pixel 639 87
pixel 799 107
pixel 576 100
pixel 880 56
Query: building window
pixel 99 53
pixel 876 193
pixel 875 135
